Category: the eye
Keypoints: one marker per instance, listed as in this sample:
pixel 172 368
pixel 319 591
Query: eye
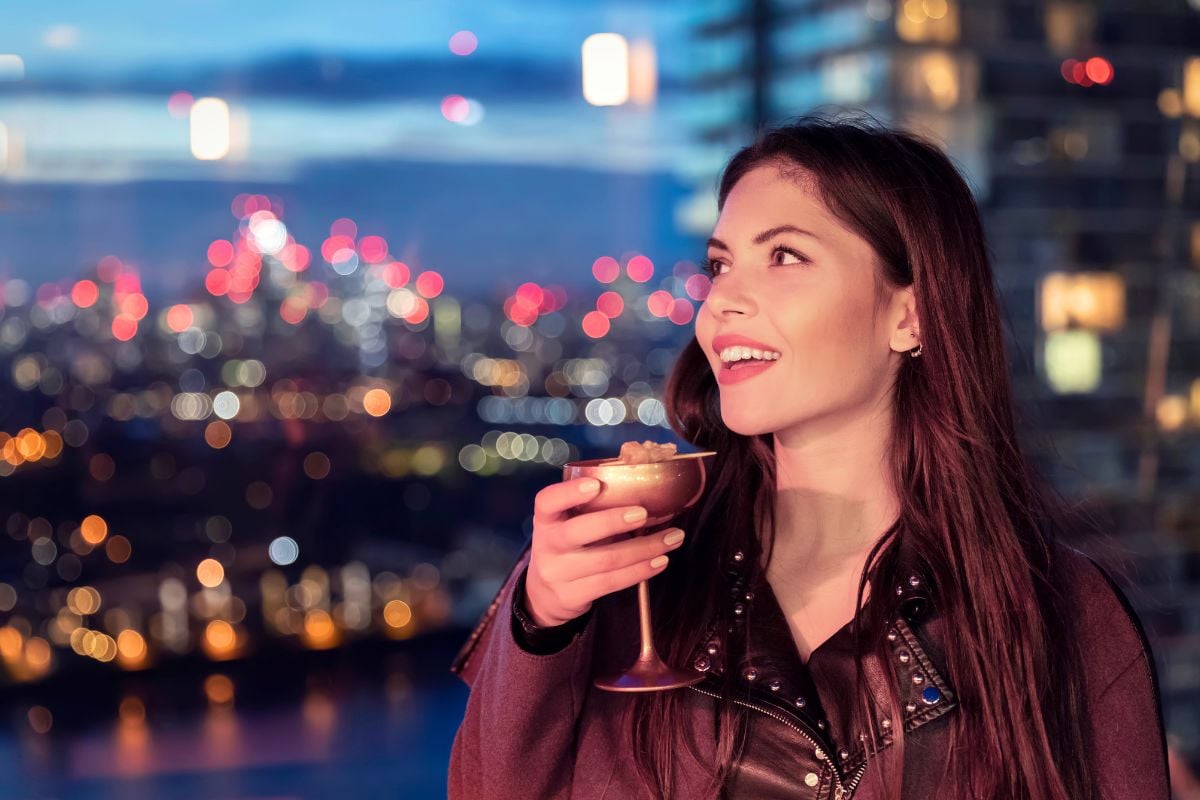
pixel 781 249
pixel 710 266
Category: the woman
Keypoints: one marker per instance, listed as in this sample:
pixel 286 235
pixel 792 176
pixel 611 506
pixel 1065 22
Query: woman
pixel 872 547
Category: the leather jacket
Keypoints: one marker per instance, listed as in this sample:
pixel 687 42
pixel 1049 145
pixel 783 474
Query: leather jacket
pixel 791 715
pixel 535 726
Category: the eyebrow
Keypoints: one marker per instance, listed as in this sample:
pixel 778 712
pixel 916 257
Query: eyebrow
pixel 765 235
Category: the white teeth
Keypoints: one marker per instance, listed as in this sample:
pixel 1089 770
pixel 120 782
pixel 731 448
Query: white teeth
pixel 737 353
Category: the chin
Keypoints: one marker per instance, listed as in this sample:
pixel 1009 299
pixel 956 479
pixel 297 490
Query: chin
pixel 747 427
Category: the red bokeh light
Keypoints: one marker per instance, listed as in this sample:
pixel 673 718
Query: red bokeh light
pixel 1099 70
pixel 606 269
pixel 217 282
pixel 124 327
pixel 295 257
pixel 396 274
pixel 419 313
pixel 595 324
pixel 640 269
pixel 660 303
pixel 220 253
pixel 521 311
pixel 293 310
pixel 135 305
pixel 344 227
pixel 373 249
pixel 430 284
pixel 180 317
pixel 335 244
pixel 681 312
pixel 463 43
pixel 697 286
pixel 455 108
pixel 531 294
pixel 85 293
pixel 610 304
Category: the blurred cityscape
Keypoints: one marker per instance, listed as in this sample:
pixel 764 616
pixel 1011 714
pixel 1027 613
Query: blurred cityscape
pixel 293 329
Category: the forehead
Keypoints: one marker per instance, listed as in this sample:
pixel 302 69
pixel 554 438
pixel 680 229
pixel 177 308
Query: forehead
pixel 767 195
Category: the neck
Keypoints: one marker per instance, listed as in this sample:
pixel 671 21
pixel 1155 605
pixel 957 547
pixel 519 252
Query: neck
pixel 834 499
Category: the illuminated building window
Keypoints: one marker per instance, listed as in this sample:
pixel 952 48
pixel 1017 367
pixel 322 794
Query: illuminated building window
pixel 1072 361
pixel 938 79
pixel 1069 26
pixel 927 20
pixel 1191 86
pixel 1089 300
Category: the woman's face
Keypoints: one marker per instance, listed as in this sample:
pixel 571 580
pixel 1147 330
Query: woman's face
pixel 808 295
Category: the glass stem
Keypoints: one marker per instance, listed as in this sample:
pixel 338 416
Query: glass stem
pixel 648 652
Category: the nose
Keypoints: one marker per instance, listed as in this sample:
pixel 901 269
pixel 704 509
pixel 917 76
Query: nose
pixel 727 297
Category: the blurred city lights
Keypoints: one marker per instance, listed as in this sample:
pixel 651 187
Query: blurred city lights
pixel 210 128
pixel 283 550
pixel 463 43
pixel 605 69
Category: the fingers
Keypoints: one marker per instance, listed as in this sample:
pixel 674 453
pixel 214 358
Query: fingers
pixel 591 561
pixel 608 582
pixel 596 526
pixel 552 501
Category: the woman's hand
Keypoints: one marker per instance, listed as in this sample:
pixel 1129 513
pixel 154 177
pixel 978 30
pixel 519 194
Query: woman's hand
pixel 569 569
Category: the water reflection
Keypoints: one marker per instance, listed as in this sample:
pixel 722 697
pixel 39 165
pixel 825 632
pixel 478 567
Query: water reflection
pixel 388 735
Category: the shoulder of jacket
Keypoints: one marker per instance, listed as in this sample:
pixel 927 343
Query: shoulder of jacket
pixel 1110 630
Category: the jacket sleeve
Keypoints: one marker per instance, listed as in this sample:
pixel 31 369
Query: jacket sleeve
pixel 517 736
pixel 1127 717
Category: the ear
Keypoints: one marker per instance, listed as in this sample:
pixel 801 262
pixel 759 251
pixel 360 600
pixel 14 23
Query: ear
pixel 902 319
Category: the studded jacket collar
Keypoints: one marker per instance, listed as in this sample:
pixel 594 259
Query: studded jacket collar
pixel 770 678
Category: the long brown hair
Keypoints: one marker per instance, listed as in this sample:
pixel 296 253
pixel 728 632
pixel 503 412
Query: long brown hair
pixel 978 514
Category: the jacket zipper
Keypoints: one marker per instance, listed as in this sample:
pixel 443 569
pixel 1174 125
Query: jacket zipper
pixel 842 791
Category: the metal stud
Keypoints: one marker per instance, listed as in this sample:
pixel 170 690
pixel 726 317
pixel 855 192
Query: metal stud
pixel 821 724
pixel 739 556
pixel 843 754
pixel 801 702
pixel 885 723
pixel 891 635
pixel 702 664
pixel 914 581
pixel 775 685
pixel 750 673
pixel 910 707
pixel 918 678
pixel 811 779
pixel 712 648
pixel 738 609
pixel 903 656
pixel 899 589
pixel 749 596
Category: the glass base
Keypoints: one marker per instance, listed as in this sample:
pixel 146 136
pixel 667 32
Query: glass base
pixel 648 675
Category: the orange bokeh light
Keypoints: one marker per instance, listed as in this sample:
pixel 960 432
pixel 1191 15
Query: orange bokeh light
pixel 377 402
pixel 93 529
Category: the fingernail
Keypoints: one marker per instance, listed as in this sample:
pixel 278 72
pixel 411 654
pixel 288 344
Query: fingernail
pixel 674 537
pixel 658 562
pixel 589 485
pixel 635 514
